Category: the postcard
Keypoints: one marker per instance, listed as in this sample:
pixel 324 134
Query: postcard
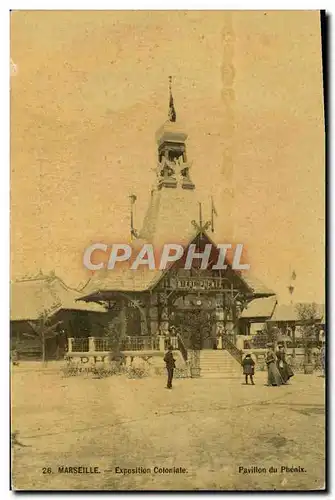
pixel 167 316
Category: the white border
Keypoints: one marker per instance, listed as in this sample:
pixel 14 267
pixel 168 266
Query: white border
pixel 4 184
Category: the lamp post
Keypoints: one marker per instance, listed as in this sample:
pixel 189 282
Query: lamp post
pixel 291 289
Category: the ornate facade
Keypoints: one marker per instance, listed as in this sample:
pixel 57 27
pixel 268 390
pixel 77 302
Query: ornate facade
pixel 158 302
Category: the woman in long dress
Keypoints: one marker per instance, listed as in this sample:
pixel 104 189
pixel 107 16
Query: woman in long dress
pixel 274 377
pixel 284 368
pixel 323 359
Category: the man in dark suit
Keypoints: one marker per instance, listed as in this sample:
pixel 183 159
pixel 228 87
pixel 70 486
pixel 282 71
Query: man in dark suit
pixel 170 366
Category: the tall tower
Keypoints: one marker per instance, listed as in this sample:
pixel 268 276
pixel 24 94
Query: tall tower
pixel 173 203
pixel 172 167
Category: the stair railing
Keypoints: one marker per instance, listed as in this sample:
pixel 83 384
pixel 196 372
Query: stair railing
pixel 181 346
pixel 231 348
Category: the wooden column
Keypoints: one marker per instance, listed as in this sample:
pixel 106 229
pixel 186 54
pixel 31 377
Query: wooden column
pixel 91 344
pixel 153 314
pixel 219 323
pixel 123 318
pixel 162 343
pixel 234 321
pixel 164 315
pixel 293 340
pixel 147 315
pixel 144 320
pixel 69 344
pixel 91 349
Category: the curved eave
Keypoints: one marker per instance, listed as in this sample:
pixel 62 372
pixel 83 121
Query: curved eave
pixel 105 295
pixel 57 311
pixel 91 297
pixel 263 295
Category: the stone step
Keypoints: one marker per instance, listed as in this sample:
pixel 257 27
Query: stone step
pixel 228 356
pixel 211 370
pixel 222 371
pixel 219 361
pixel 216 366
pixel 215 363
pixel 220 367
pixel 219 364
pixel 215 353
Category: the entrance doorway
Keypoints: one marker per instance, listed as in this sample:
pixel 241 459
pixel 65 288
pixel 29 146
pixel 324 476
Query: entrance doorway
pixel 197 327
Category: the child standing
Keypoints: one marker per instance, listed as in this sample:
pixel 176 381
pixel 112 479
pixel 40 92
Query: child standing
pixel 248 368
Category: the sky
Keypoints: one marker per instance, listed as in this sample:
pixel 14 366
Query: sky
pixel 89 92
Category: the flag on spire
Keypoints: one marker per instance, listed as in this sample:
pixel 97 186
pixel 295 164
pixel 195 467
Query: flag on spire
pixel 213 208
pixel 213 212
pixel 294 276
pixel 133 198
pixel 133 231
pixel 172 111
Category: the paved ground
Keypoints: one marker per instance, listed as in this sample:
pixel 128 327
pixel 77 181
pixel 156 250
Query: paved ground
pixel 212 428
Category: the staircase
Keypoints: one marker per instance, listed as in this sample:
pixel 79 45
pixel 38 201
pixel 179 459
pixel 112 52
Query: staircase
pixel 219 364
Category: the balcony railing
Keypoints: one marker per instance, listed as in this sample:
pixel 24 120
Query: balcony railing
pixel 79 345
pixel 101 344
pixel 140 344
pixel 173 341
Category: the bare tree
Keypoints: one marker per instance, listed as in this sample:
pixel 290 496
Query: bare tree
pixel 44 329
pixel 115 334
pixel 308 316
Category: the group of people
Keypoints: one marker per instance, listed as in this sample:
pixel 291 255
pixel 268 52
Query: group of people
pixel 279 371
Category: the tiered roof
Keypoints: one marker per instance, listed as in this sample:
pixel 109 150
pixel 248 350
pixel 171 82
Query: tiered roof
pixel 173 216
pixel 123 279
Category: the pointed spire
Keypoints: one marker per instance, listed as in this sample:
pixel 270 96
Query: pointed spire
pixel 172 111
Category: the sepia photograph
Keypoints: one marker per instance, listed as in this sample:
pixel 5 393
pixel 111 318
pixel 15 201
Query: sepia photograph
pixel 167 274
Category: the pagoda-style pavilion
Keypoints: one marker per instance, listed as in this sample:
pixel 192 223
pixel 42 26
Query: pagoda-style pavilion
pixel 154 303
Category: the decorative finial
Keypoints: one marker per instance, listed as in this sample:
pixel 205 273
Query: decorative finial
pixel 213 212
pixel 133 232
pixel 172 111
pixel 200 226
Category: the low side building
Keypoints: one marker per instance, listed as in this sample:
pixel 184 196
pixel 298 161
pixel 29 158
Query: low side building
pixel 48 296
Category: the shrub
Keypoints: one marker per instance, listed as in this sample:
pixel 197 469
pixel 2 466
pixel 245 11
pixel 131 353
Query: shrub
pixel 137 372
pixel 181 372
pixel 107 370
pixel 70 370
pixel 100 370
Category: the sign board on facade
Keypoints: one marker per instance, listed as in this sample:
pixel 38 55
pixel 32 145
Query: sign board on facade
pixel 196 283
